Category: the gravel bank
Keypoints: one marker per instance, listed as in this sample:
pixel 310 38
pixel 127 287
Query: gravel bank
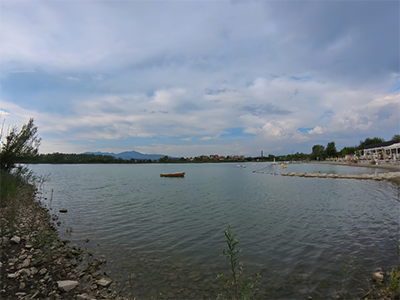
pixel 36 264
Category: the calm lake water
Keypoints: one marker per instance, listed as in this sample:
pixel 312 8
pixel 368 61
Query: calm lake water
pixel 163 237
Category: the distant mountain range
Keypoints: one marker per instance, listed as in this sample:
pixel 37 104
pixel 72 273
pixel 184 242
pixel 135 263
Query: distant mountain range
pixel 129 155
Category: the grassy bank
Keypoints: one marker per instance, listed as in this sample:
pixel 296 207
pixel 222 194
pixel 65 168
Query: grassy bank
pixel 8 186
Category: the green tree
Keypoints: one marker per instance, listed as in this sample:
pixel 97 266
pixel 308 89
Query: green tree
pixel 396 138
pixel 348 151
pixel 318 152
pixel 19 146
pixel 369 141
pixel 163 159
pixel 331 150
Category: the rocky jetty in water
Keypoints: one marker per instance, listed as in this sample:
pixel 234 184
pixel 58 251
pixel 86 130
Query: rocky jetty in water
pixel 390 176
pixel 36 264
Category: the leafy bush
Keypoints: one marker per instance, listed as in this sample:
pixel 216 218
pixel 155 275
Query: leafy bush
pixel 18 146
pixel 394 281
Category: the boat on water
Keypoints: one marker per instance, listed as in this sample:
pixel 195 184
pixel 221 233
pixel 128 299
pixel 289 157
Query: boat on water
pixel 173 175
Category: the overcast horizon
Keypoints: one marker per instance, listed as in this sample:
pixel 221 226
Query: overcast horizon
pixel 190 78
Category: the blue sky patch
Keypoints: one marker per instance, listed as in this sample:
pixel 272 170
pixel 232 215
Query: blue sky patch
pixel 305 129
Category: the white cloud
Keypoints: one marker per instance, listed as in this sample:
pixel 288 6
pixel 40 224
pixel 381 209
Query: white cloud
pixel 317 130
pixel 209 138
pixel 268 69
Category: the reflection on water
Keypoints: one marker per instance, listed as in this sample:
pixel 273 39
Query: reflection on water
pixel 162 237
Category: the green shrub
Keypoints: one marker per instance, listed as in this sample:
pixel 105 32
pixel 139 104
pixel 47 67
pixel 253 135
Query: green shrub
pixel 45 237
pixel 394 281
pixel 18 146
pixel 236 289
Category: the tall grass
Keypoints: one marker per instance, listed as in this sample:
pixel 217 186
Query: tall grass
pixel 8 185
pixel 15 190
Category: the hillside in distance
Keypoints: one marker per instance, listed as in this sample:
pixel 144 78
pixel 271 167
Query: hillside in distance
pixel 129 155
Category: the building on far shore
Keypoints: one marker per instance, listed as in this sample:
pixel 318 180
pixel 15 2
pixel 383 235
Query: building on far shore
pixel 386 151
pixel 218 157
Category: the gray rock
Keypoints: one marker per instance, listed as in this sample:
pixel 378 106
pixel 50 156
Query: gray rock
pixel 104 282
pixel 26 263
pixel 20 294
pixel 67 285
pixel 15 239
pixel 23 272
pixel 43 271
pixel 34 271
pixel 84 297
pixel 96 275
pixel 22 257
pixel 12 261
pixel 54 295
pixel 5 241
pixel 12 275
pixel 22 285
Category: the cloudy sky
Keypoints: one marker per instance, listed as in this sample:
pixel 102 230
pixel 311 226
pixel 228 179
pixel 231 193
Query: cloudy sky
pixel 185 78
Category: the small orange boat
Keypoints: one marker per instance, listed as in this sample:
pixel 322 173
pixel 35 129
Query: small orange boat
pixel 173 175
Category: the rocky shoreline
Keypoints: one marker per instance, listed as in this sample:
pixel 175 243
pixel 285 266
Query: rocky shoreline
pixel 36 264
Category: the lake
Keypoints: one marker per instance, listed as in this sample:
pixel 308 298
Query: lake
pixel 163 237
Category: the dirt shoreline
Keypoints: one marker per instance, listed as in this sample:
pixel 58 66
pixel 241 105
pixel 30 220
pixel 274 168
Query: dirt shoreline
pixel 36 264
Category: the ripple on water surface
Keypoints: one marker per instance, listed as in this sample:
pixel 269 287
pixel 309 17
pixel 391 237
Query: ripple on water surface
pixel 165 235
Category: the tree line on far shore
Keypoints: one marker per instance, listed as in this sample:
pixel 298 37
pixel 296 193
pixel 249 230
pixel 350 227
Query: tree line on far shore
pixel 319 152
pixel 23 147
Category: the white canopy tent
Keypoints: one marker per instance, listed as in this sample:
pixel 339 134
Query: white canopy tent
pixel 383 151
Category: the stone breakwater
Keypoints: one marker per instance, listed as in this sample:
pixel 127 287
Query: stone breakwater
pixel 390 176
